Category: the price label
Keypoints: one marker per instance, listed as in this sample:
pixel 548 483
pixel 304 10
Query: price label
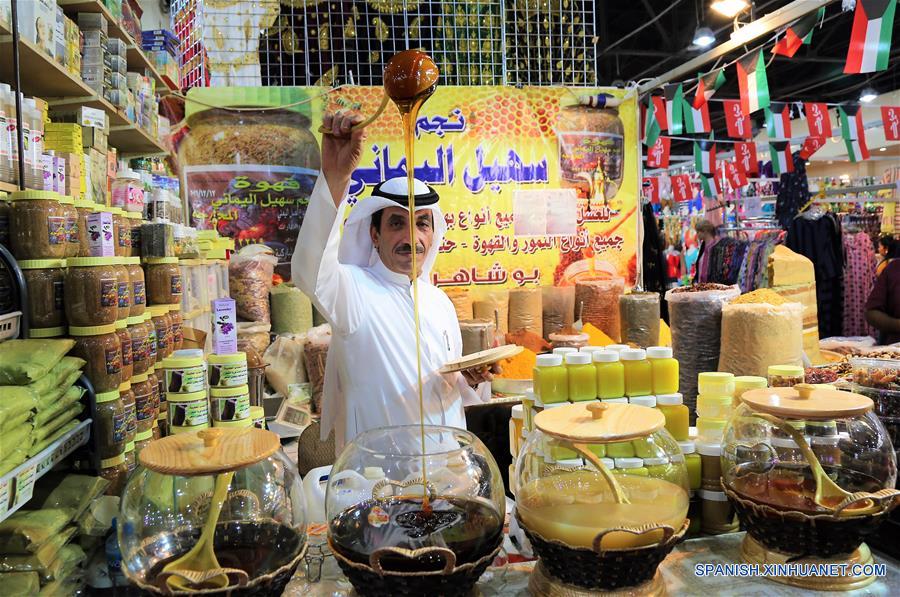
pixel 25 484
pixel 4 498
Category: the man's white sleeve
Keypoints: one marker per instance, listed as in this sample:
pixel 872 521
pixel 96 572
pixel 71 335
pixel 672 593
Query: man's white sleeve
pixel 315 268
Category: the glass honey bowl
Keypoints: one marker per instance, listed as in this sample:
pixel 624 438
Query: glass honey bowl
pixel 594 524
pixel 259 533
pixel 406 522
pixel 810 471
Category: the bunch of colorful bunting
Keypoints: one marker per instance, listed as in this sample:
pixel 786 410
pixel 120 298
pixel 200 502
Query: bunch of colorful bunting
pixel 854 132
pixel 870 39
pixel 797 34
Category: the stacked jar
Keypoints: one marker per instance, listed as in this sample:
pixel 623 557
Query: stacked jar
pixel 184 380
pixel 45 281
pixel 229 392
pixel 714 407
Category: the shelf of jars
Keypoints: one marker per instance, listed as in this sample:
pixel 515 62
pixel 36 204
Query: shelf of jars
pixel 136 57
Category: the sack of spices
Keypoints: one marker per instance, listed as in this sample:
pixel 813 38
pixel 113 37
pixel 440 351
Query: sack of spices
pixel 695 315
pixel 558 306
pixel 525 311
pixel 291 310
pixel 250 278
pixel 597 301
pixel 760 329
pixel 639 314
pixel 492 305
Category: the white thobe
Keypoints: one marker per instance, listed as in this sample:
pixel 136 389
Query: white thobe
pixel 371 374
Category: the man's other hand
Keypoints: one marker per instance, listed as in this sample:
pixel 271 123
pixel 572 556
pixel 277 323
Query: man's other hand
pixel 341 151
pixel 477 375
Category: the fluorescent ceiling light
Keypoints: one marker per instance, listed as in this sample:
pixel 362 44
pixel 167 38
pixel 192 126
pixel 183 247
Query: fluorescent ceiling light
pixel 704 37
pixel 729 8
pixel 868 95
pixel 882 149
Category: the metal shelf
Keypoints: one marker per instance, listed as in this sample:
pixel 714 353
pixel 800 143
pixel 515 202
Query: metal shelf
pixel 17 486
pixel 136 57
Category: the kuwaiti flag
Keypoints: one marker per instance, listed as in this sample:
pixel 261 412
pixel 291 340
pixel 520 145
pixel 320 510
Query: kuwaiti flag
pixel 705 156
pixel 674 101
pixel 856 149
pixel 778 120
pixel 870 40
pixel 752 80
pixel 709 185
pixel 782 162
pixel 651 128
pixel 659 109
pixel 707 85
pixel 798 33
pixel 696 120
pixel 851 122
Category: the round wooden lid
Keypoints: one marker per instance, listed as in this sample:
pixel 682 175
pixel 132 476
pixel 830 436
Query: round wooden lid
pixel 593 422
pixel 807 402
pixel 482 358
pixel 209 451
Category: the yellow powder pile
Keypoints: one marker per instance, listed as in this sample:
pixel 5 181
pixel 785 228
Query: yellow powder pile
pixel 520 366
pixel 763 295
pixel 597 337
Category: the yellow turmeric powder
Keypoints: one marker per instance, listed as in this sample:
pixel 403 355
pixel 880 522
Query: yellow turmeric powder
pixel 520 366
pixel 762 295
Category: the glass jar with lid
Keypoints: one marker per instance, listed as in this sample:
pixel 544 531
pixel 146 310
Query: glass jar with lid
pixel 260 524
pixel 159 315
pixel 127 349
pixel 785 376
pixel 135 222
pixel 109 424
pixel 45 280
pixel 176 322
pixel 138 288
pixel 123 287
pixel 101 348
pixel 164 281
pixel 37 225
pixel 791 500
pixel 587 524
pixel 412 521
pixel 84 208
pixel 91 291
pixel 121 232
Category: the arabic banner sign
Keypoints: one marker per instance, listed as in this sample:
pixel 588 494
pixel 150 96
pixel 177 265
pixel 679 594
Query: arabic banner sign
pixel 481 148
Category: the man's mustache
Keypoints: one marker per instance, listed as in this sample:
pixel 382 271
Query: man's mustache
pixel 407 248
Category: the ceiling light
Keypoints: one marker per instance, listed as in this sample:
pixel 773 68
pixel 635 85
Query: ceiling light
pixel 868 95
pixel 882 149
pixel 704 37
pixel 729 8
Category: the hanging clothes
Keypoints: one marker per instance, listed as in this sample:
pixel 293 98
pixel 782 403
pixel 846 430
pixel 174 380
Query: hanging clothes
pixel 859 278
pixel 793 193
pixel 819 240
pixel 653 259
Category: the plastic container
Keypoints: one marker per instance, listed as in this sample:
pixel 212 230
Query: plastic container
pixel 73 238
pixel 745 383
pixel 127 351
pixel 882 374
pixel 145 409
pixel 718 515
pixel 165 285
pixel 714 407
pixel 135 222
pixel 582 377
pixel 710 431
pixel 128 191
pixel 187 412
pixel 37 225
pixel 159 315
pixel 45 279
pixel 91 291
pixel 109 425
pixel 610 374
pixel 184 374
pixel 114 470
pixel 128 402
pixel 123 287
pixel 631 466
pixel 138 287
pixel 100 347
pixel 648 401
pixel 715 383
pixel 121 232
pixel 664 369
pixel 176 327
pixel 227 370
pixel 785 376
pixel 230 404
pixel 551 380
pixel 676 413
pixel 84 208
pixel 638 372
pixel 564 350
pixel 258 414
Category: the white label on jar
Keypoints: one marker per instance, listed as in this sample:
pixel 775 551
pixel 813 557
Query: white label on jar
pixel 185 381
pixel 188 414
pixel 228 375
pixel 233 408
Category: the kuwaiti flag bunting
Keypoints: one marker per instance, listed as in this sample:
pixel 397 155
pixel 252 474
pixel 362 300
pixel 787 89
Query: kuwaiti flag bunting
pixel 890 117
pixel 856 149
pixel 780 152
pixel 696 120
pixel 651 189
pixel 734 175
pixel 674 105
pixel 811 145
pixel 681 187
pixel 658 155
pixel 651 128
pixel 705 156
pixel 870 39
pixel 707 85
pixel 709 184
pixel 778 120
pixel 737 123
pixel 752 81
pixel 659 109
pixel 745 158
pixel 851 122
pixel 798 33
pixel 817 119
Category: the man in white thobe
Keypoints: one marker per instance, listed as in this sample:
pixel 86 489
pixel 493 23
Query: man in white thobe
pixel 360 282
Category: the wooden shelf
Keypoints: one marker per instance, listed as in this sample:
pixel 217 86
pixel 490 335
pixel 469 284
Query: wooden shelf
pixel 40 75
pixel 136 57
pixel 133 141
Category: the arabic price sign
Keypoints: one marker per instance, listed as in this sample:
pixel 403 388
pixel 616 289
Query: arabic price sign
pixel 480 148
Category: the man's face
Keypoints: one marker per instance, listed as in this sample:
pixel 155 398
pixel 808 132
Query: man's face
pixel 392 240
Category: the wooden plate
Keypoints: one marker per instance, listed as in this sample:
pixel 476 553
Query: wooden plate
pixel 482 358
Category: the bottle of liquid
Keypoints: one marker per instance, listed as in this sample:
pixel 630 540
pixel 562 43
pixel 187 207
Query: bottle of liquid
pixel 582 376
pixel 638 374
pixel 664 368
pixel 610 375
pixel 37 143
pixel 676 413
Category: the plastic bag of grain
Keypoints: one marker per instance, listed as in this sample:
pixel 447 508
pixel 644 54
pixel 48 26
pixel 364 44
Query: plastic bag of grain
pixel 695 314
pixel 760 329
pixel 525 312
pixel 598 303
pixel 250 278
pixel 558 306
pixel 291 310
pixel 493 305
pixel 639 314
pixel 285 359
pixel 315 353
